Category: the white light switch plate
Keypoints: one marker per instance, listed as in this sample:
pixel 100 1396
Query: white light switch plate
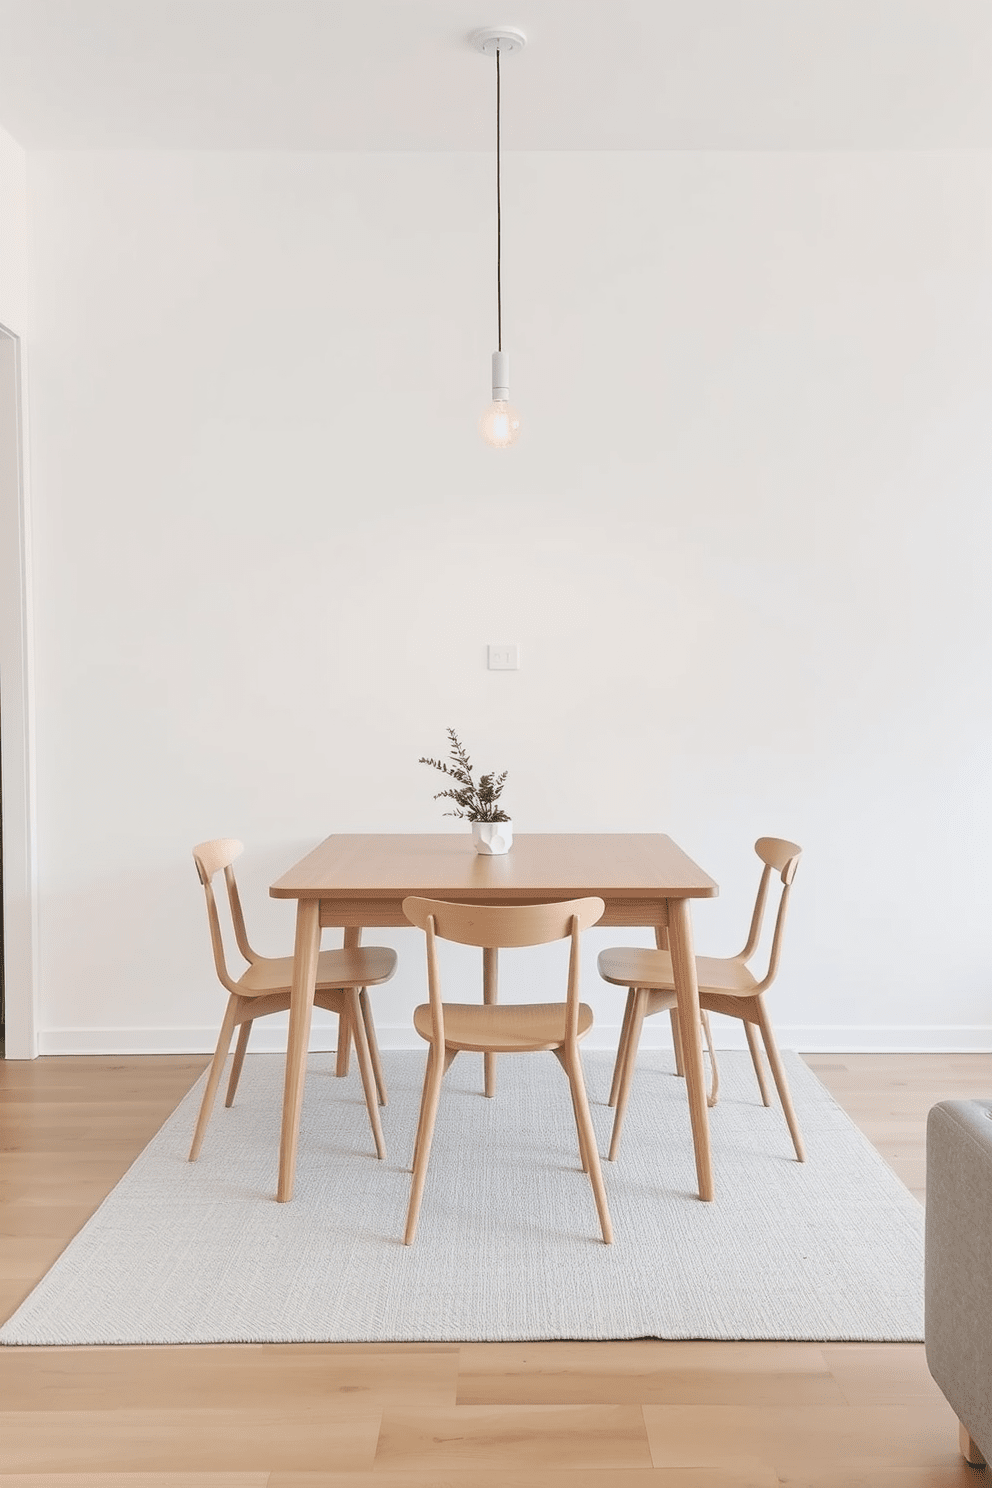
pixel 504 658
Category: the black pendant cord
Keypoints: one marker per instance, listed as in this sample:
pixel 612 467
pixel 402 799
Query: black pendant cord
pixel 499 235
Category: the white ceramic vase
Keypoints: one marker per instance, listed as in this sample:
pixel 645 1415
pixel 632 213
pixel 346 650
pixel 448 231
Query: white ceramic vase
pixel 492 838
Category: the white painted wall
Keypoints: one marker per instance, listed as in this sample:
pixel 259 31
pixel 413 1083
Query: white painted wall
pixel 13 235
pixel 743 543
pixel 20 927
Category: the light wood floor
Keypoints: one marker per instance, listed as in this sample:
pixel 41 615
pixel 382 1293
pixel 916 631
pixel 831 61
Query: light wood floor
pixel 613 1415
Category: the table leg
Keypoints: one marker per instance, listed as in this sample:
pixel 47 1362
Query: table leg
pixel 490 987
pixel 352 940
pixel 673 1016
pixel 687 993
pixel 300 1013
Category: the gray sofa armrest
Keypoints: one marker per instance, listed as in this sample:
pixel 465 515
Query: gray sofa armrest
pixel 958 1326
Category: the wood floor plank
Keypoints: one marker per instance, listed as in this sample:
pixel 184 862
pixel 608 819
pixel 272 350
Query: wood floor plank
pixel 223 1376
pixel 58 1171
pixel 136 1480
pixel 28 1256
pixel 518 1436
pixel 97 1113
pixel 645 1371
pixel 41 1191
pixel 56 1079
pixel 881 1373
pixel 31 1144
pixel 366 1348
pixel 53 1220
pixel 13 1292
pixel 815 1441
pixel 257 1439
pixel 744 1475
pixel 950 1473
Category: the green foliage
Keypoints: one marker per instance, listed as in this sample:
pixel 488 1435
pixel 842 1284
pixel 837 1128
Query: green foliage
pixel 477 803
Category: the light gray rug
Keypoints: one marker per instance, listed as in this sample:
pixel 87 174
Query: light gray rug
pixel 508 1246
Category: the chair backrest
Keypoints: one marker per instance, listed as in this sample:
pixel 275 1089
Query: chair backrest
pixel 497 926
pixel 781 857
pixel 212 858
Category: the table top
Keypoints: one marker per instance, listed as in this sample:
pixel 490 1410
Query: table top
pixel 441 865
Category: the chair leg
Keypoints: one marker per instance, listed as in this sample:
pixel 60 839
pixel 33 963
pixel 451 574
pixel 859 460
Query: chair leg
pixel 365 1068
pixel 586 1131
pixel 622 1047
pixel 778 1075
pixel 423 1107
pixel 425 1133
pixel 757 1061
pixel 714 1071
pixel 343 1061
pixel 239 1059
pixel 216 1069
pixel 380 1083
pixel 673 1014
pixel 490 995
pixel 562 1059
pixel 449 1059
pixel 633 1039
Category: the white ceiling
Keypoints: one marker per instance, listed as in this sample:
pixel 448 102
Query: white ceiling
pixel 400 75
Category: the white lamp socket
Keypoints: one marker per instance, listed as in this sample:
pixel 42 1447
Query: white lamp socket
pixel 501 377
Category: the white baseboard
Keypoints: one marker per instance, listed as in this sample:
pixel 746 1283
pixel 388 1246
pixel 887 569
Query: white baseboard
pixel 265 1039
pixel 270 1038
pixel 910 1038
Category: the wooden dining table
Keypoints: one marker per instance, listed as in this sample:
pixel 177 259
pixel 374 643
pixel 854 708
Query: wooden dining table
pixel 358 881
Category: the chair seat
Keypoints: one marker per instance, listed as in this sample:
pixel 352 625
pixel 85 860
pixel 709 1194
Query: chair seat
pixel 521 1027
pixel 631 966
pixel 364 966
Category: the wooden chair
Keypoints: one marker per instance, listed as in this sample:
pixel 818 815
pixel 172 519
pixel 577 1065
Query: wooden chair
pixel 450 1027
pixel 342 977
pixel 725 986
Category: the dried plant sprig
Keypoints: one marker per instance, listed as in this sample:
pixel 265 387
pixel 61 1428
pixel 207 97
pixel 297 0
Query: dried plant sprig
pixel 477 803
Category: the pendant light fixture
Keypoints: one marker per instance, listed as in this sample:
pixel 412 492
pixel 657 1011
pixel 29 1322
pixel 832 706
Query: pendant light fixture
pixel 500 424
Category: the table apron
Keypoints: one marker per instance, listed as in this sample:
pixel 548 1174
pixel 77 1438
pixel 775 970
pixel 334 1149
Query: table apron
pixel 368 913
